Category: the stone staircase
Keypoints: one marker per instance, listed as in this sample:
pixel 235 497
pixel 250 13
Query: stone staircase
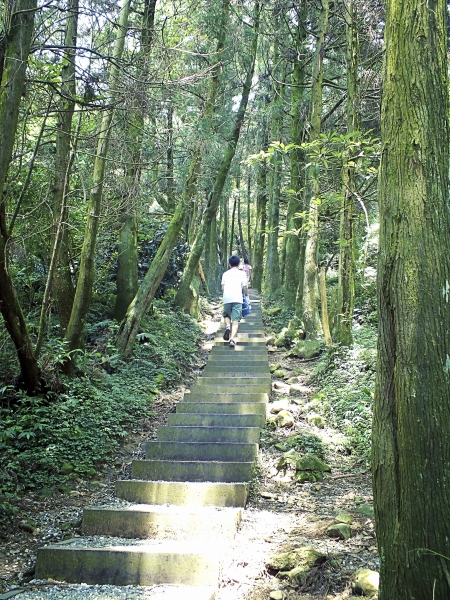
pixel 178 513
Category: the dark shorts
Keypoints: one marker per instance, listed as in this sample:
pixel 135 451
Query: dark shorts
pixel 233 311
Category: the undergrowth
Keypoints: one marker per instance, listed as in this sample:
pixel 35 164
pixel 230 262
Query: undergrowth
pixel 45 441
pixel 347 378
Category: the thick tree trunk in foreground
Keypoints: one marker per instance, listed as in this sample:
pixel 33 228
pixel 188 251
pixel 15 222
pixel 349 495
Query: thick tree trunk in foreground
pixel 411 425
pixel 16 44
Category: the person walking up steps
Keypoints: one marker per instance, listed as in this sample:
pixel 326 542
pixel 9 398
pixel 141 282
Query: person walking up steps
pixel 234 282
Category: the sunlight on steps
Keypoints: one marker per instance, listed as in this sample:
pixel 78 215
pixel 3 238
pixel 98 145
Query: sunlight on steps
pixel 174 519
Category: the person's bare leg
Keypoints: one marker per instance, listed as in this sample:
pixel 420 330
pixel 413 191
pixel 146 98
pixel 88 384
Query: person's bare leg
pixel 234 329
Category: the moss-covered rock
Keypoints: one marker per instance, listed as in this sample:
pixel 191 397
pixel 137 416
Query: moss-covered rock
pixel 342 516
pixel 340 531
pixel 299 559
pixel 310 462
pixel 307 349
pixel 273 311
pixel 366 510
pixel 279 405
pixel 316 420
pixel 366 581
pixel 279 373
pixel 285 419
pixel 275 367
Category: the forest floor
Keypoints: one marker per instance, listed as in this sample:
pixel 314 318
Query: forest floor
pixel 281 514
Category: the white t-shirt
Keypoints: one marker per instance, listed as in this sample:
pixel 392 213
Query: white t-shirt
pixel 233 281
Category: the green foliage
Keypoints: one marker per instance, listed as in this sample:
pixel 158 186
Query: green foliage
pixel 306 443
pixel 347 379
pixel 84 423
pixel 274 317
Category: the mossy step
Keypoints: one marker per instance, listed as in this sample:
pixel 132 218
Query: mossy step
pixel 182 493
pixel 252 342
pixel 166 522
pixel 216 420
pixel 237 358
pixel 237 379
pixel 232 388
pixel 218 451
pixel 233 408
pixel 209 434
pixel 200 395
pixel 240 349
pixel 178 470
pixel 235 368
pixel 149 563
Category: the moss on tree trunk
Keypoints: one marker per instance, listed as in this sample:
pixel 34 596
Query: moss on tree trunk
pixel 411 425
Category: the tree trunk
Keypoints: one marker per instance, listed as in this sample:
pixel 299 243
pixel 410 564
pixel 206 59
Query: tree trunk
pixel 324 305
pixel 63 288
pixel 310 313
pixel 19 16
pixel 85 281
pixel 411 425
pixel 249 230
pixel 261 206
pixel 272 276
pixel 233 216
pixel 346 271
pixel 241 233
pixel 295 238
pixel 127 262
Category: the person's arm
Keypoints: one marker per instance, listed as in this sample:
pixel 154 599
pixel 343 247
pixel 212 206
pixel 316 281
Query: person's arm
pixel 223 287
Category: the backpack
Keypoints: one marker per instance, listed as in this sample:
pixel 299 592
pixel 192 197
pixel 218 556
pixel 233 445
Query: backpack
pixel 246 306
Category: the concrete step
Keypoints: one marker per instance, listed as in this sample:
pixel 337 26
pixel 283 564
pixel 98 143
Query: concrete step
pixel 233 408
pixel 218 368
pixel 182 493
pixel 178 470
pixel 236 376
pixel 218 451
pixel 241 341
pixel 237 358
pixel 207 396
pixel 143 521
pixel 241 351
pixel 126 562
pixel 238 379
pixel 233 388
pixel 249 435
pixel 216 420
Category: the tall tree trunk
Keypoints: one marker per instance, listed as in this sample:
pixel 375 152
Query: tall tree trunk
pixel 182 297
pixel 127 262
pixel 309 305
pixel 224 225
pixel 249 201
pixel 233 218
pixel 272 275
pixel 241 233
pixel 295 238
pixel 260 229
pixel 411 424
pixel 346 271
pixel 19 20
pixel 63 288
pixel 85 281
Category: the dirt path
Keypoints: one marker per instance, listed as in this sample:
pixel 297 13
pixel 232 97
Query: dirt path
pixel 281 515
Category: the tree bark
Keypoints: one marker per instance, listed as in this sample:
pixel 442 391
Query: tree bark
pixel 63 288
pixel 411 424
pixel 19 16
pixel 346 270
pixel 127 262
pixel 295 238
pixel 261 206
pixel 309 304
